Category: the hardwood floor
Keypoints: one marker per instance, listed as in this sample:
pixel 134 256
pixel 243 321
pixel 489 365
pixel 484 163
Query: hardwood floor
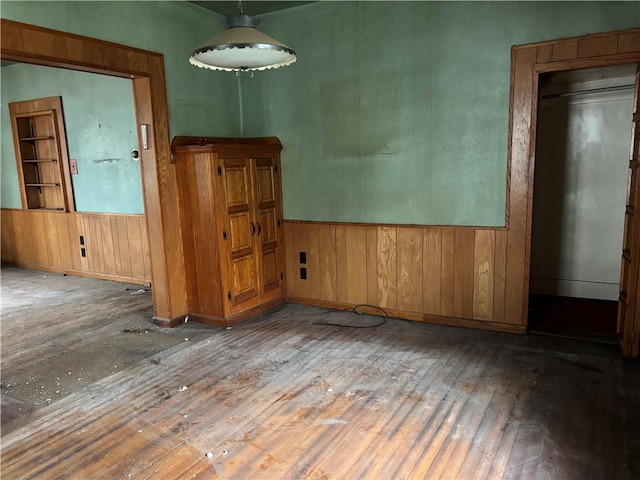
pixel 281 396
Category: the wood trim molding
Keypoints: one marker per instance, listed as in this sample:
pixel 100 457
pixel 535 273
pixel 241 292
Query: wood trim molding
pixel 390 225
pixel 80 273
pixel 437 319
pixel 238 317
pixel 170 322
pixel 527 61
pixel 42 46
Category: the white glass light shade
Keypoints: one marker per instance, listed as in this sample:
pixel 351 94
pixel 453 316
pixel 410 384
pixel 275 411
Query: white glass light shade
pixel 242 48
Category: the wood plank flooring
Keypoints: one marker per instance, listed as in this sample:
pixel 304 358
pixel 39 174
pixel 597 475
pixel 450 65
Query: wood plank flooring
pixel 62 333
pixel 283 396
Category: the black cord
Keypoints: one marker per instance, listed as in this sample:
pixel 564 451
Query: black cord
pixel 355 310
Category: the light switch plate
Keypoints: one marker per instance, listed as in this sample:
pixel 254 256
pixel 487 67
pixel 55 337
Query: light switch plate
pixel 73 166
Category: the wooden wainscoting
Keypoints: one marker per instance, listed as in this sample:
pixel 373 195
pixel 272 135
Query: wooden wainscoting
pixel 452 275
pixel 116 246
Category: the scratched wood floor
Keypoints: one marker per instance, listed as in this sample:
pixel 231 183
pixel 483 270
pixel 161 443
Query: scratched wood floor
pixel 282 396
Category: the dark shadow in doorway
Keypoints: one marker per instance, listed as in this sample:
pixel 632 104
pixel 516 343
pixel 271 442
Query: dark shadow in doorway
pixel 580 318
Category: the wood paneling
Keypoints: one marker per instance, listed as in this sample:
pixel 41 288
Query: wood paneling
pixel 356 271
pixel 448 268
pixel 410 271
pixel 372 265
pixel 415 272
pixel 39 238
pixel 78 262
pixel 307 243
pixel 432 271
pixel 484 264
pixel 387 267
pixel 116 246
pixel 499 271
pixel 463 274
pixel 313 261
pixel 327 263
pixel 341 264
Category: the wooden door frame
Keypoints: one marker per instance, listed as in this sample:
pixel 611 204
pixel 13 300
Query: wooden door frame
pixel 527 63
pixel 42 46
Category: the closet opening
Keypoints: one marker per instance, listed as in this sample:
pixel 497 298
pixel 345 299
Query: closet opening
pixel 583 139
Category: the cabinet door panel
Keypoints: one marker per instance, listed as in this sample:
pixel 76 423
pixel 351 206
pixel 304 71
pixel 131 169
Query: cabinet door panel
pixel 268 226
pixel 240 229
pixel 270 270
pixel 243 273
pixel 266 183
pixel 236 179
pixel 265 191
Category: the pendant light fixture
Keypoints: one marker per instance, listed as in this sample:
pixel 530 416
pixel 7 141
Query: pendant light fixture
pixel 241 47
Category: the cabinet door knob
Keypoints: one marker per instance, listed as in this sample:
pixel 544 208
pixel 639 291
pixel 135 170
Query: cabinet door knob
pixel 253 229
pixel 259 229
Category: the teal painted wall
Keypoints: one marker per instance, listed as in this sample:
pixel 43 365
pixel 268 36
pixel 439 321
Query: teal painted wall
pixel 397 112
pixel 101 132
pixel 200 102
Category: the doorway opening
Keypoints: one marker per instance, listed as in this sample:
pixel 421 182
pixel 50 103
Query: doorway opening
pixel 23 43
pixel 581 169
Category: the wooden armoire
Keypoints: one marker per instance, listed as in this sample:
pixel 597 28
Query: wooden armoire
pixel 230 197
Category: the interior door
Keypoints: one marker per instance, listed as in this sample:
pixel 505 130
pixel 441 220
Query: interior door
pixel 267 215
pixel 240 229
pixel 628 311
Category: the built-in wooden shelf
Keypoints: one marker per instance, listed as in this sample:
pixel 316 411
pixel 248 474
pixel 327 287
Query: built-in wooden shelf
pixel 35 139
pixel 49 209
pixel 41 154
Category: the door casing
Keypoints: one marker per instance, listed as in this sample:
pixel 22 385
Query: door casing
pixel 527 63
pixel 26 43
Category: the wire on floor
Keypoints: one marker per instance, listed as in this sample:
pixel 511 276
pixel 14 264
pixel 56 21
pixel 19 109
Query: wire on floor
pixel 357 309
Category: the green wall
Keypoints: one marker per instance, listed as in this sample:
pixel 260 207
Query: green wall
pixel 397 112
pixel 200 102
pixel 101 132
